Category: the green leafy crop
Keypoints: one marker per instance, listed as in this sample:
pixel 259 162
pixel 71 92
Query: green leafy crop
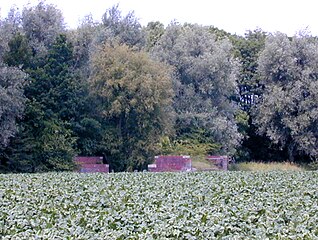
pixel 205 205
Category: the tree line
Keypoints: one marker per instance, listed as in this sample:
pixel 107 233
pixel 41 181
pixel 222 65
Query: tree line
pixel 127 92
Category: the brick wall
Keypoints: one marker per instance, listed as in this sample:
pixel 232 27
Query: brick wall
pixel 91 164
pixel 92 168
pixel 171 164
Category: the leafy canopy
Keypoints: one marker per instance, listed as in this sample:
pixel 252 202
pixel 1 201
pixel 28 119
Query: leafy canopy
pixel 135 95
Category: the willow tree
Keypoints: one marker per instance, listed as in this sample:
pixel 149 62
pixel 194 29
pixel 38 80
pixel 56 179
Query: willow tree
pixel 135 95
pixel 288 110
pixel 126 29
pixel 205 83
pixel 12 101
pixel 9 27
pixel 41 25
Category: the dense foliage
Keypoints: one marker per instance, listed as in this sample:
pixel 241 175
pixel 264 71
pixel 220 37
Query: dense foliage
pixel 135 95
pixel 206 80
pixel 288 110
pixel 11 101
pixel 126 92
pixel 208 205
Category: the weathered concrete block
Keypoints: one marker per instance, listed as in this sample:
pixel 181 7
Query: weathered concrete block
pixel 92 168
pixel 91 164
pixel 171 164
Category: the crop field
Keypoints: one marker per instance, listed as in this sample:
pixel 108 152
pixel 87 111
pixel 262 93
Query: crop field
pixel 202 205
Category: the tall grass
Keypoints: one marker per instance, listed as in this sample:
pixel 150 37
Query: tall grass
pixel 199 162
pixel 260 166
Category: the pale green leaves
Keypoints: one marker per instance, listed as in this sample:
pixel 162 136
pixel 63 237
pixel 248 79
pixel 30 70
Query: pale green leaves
pixel 206 79
pixel 11 100
pixel 206 205
pixel 287 113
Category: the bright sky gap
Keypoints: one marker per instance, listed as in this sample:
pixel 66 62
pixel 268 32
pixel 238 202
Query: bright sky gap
pixel 233 16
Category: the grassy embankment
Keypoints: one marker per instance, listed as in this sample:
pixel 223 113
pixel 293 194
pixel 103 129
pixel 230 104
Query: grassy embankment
pixel 260 166
pixel 201 164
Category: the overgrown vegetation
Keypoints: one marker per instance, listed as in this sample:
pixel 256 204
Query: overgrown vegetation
pixel 126 92
pixel 261 166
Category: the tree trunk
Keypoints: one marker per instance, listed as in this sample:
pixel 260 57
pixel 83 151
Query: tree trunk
pixel 291 152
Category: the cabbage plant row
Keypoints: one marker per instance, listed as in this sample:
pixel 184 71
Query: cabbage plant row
pixel 206 205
